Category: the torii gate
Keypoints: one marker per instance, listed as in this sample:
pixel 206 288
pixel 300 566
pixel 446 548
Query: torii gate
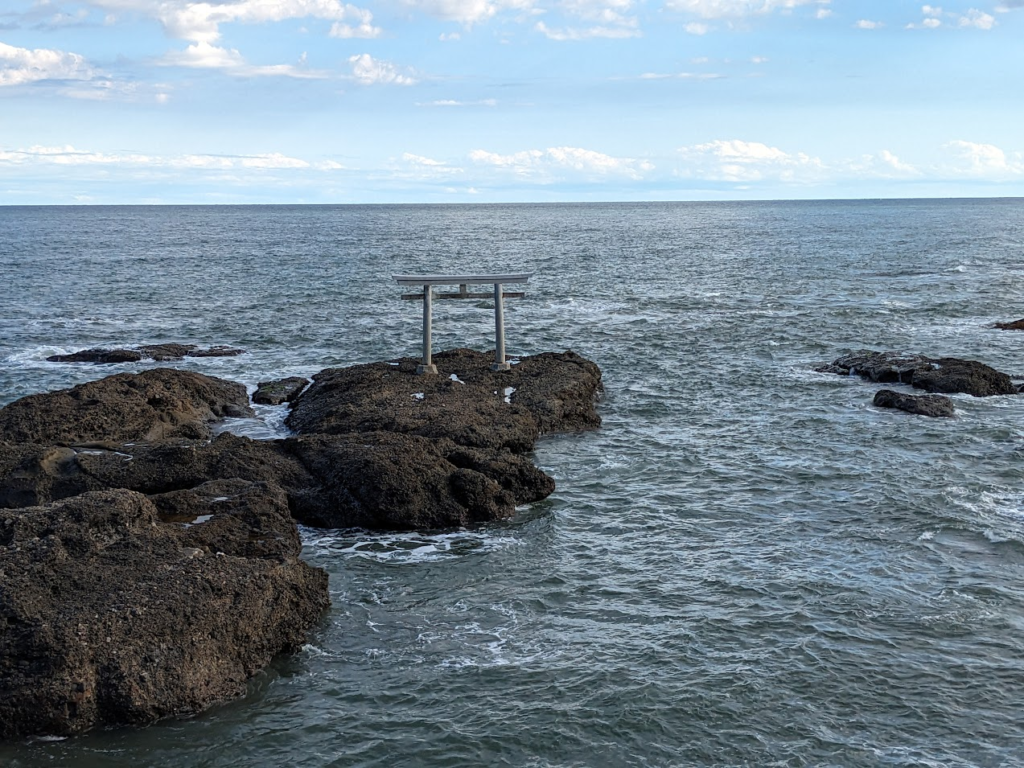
pixel 463 281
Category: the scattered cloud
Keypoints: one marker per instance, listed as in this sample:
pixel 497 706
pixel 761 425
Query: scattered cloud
pixel 545 164
pixel 747 161
pixel 697 28
pixel 883 165
pixel 466 12
pixel 681 76
pixel 973 18
pixel 19 66
pixel 866 24
pixel 206 56
pixel 588 33
pixel 370 71
pixel 70 156
pixel 985 160
pixel 721 9
pixel 455 103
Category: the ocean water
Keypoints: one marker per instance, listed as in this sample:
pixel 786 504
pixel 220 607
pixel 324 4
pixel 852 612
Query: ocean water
pixel 747 565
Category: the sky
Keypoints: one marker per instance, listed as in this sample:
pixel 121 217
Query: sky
pixel 449 101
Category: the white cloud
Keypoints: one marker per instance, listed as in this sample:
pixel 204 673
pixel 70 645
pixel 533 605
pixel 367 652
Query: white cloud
pixel 719 9
pixel 455 103
pixel 19 66
pixel 370 71
pixel 588 33
pixel 985 160
pixel 977 19
pixel 822 13
pixel 866 24
pixel 544 164
pixel 70 156
pixel 883 165
pixel 206 56
pixel 681 76
pixel 465 11
pixel 746 161
pixel 697 28
pixel 973 19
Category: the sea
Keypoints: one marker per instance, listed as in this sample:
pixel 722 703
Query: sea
pixel 748 564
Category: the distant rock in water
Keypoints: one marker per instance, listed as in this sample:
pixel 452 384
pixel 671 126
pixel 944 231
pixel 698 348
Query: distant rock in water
pixel 149 571
pixel 948 375
pixel 1016 325
pixel 158 352
pixel 279 391
pixel 922 405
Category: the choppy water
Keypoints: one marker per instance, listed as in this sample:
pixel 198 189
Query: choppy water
pixel 747 565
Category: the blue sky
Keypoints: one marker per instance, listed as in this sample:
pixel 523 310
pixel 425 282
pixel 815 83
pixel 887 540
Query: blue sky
pixel 325 101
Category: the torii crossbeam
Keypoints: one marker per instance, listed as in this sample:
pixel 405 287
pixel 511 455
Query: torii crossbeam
pixel 464 281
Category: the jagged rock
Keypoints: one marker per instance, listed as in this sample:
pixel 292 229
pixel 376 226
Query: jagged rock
pixel 922 405
pixel 946 374
pixel 1016 325
pixel 153 405
pixel 279 391
pixel 109 616
pixel 477 408
pixel 158 352
pixel 373 480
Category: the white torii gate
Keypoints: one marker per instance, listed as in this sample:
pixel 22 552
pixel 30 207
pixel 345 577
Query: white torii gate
pixel 463 281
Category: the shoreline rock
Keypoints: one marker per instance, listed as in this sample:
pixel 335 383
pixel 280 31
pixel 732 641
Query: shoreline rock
pixel 1016 325
pixel 279 391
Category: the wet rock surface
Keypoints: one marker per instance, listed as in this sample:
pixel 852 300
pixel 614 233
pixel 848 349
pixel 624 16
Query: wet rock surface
pixel 159 404
pixel 279 391
pixel 148 570
pixel 110 616
pixel 465 402
pixel 158 352
pixel 947 375
pixel 921 405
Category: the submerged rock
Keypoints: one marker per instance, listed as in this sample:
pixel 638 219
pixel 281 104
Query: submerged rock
pixel 158 404
pixel 159 352
pixel 279 391
pixel 111 616
pixel 922 405
pixel 1016 325
pixel 947 375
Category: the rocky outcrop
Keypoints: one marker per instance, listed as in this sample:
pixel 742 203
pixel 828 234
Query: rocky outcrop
pixel 147 570
pixel 465 402
pixel 922 405
pixel 158 352
pixel 110 615
pixel 279 391
pixel 159 404
pixel 1016 325
pixel 947 375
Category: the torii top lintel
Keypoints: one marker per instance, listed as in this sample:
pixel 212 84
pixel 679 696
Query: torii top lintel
pixel 507 279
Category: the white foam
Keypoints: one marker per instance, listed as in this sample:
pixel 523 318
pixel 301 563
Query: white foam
pixel 402 547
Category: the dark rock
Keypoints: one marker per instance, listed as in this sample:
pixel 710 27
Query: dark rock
pixel 158 352
pixel 153 405
pixel 99 356
pixel 947 374
pixel 1016 325
pixel 923 405
pixel 109 616
pixel 279 391
pixel 546 393
pixel 373 480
